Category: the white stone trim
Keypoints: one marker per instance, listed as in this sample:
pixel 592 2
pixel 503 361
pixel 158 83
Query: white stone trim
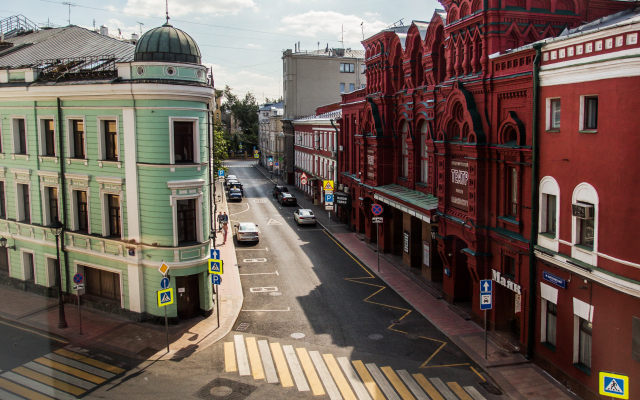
pixel 14 131
pixel 548 114
pixel 586 193
pixel 608 69
pixel 104 206
pixel 102 147
pixel 548 186
pixel 583 310
pixel 24 251
pixel 69 135
pixel 196 138
pixel 42 141
pixel 44 195
pixel 20 215
pixel 186 184
pixel 131 174
pixel 77 264
pixel 50 279
pixel 549 293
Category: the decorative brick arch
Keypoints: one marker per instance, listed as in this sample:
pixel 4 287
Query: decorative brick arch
pixel 512 129
pixel 461 112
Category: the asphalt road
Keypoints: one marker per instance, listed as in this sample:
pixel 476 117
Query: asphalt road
pixel 20 345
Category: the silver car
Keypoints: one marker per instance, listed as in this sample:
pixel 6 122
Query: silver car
pixel 304 216
pixel 247 232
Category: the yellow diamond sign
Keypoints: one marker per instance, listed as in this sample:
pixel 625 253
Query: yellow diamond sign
pixel 327 185
pixel 164 268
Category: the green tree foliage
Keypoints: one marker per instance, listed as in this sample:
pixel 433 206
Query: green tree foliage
pixel 245 111
pixel 220 148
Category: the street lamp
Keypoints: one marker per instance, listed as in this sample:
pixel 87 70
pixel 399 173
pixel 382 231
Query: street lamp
pixel 3 243
pixel 56 228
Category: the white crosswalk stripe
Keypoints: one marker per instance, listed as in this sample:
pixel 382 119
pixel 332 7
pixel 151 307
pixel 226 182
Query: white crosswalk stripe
pixel 241 355
pixel 442 388
pixel 37 386
pixel 325 375
pixel 267 362
pixel 412 385
pixel 355 381
pixel 4 395
pixel 473 392
pixel 296 369
pixel 382 382
pixel 61 376
pixel 77 364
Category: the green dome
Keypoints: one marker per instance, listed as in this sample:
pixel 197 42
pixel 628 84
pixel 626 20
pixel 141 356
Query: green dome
pixel 167 43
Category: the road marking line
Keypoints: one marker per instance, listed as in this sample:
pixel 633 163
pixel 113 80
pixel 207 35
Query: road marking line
pixel 296 370
pixel 458 390
pixel 473 392
pixel 368 381
pixel 267 361
pixel 443 389
pixel 428 387
pixel 329 384
pixel 9 396
pixel 47 380
pixel 340 380
pixel 281 365
pixel 70 370
pixel 357 385
pixel 241 355
pixel 288 309
pixel 263 289
pixel 262 273
pixel 397 383
pixel 382 382
pixel 90 361
pixel 82 366
pixel 477 373
pixel 59 375
pixel 254 358
pixel 44 389
pixel 312 376
pixel 22 391
pixel 229 358
pixel 412 385
pixel 34 332
pixel 254 260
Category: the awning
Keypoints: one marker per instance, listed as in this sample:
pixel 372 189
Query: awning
pixel 390 194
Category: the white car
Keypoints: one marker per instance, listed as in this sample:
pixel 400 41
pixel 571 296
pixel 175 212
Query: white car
pixel 247 232
pixel 229 178
pixel 304 217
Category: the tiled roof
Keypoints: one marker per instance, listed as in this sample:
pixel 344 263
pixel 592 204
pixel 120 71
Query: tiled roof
pixel 413 197
pixel 68 42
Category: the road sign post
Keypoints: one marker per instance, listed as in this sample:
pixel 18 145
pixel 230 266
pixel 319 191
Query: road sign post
pixel 378 244
pixel 613 385
pixel 165 298
pixel 486 303
pixel 77 279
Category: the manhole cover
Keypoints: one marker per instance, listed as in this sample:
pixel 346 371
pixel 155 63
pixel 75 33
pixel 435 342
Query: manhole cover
pixel 396 321
pixel 375 336
pixel 275 294
pixel 488 386
pixel 221 391
pixel 259 201
pixel 297 335
pixel 242 327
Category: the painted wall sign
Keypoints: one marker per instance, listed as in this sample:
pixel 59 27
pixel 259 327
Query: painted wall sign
pixel 554 279
pixel 518 306
pixel 406 242
pixel 426 251
pixel 459 184
pixel 502 281
pixel 371 162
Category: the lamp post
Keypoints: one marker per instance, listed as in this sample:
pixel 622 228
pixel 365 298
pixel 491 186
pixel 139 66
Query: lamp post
pixel 56 228
pixel 280 146
pixel 3 243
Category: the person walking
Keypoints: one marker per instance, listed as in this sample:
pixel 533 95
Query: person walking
pixel 220 219
pixel 225 227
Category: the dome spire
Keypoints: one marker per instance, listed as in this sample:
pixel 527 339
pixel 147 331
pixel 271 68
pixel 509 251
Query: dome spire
pixel 167 3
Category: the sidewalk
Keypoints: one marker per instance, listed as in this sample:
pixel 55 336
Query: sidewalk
pixel 517 377
pixel 122 336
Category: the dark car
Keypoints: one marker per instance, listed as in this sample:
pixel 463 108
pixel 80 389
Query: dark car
pixel 279 189
pixel 286 198
pixel 235 194
pixel 237 185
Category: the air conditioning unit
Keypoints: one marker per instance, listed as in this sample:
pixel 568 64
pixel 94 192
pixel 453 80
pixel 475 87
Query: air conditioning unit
pixel 582 210
pixel 340 148
pixel 333 154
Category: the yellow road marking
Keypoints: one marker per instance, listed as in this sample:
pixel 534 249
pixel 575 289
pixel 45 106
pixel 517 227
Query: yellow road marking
pixel 70 370
pixel 428 387
pixel 254 358
pixel 477 373
pixel 439 348
pixel 442 366
pixel 340 380
pixel 22 391
pixel 230 357
pixel 34 332
pixel 397 383
pixel 90 361
pixel 368 381
pixel 281 365
pixel 47 380
pixel 310 371
pixel 459 391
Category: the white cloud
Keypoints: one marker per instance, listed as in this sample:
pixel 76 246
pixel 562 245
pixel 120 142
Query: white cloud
pixel 254 46
pixel 326 24
pixel 189 7
pixel 243 81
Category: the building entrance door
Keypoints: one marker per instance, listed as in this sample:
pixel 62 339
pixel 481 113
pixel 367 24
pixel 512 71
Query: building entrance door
pixel 188 296
pixel 4 261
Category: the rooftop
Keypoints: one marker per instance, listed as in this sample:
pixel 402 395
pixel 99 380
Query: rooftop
pixel 345 53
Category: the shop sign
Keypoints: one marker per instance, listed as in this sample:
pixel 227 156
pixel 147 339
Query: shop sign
pixel 518 303
pixel 371 162
pixel 502 281
pixel 554 279
pixel 425 253
pixel 406 242
pixel 459 184
pixel 341 199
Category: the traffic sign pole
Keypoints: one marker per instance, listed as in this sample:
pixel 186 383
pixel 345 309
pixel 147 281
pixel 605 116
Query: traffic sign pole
pixel 77 279
pixel 378 245
pixel 166 327
pixel 485 334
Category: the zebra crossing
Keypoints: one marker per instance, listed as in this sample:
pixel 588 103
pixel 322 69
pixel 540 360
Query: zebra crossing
pixel 336 377
pixel 61 375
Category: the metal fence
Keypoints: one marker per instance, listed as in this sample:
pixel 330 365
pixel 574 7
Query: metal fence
pixel 77 67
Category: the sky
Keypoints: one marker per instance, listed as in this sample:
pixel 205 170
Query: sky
pixel 240 40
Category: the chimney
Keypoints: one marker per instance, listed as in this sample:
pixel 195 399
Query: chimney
pixel 295 48
pixel 104 31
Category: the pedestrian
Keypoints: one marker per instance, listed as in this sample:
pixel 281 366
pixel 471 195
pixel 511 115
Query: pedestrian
pixel 220 219
pixel 225 227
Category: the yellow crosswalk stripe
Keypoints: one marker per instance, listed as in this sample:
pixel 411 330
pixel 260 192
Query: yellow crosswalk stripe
pixel 312 375
pixel 281 365
pixel 368 381
pixel 47 380
pixel 397 383
pixel 459 391
pixel 341 381
pixel 22 391
pixel 90 361
pixel 230 357
pixel 254 358
pixel 70 370
pixel 428 387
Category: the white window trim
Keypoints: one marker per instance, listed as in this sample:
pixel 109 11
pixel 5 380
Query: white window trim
pixel 102 146
pixel 104 206
pixel 20 204
pixel 50 276
pixel 582 111
pixel 580 310
pixel 547 293
pixel 585 193
pixel 78 266
pixel 73 204
pixel 14 132
pixel 70 144
pixel 548 186
pixel 186 190
pixel 196 138
pixel 44 195
pixel 24 251
pixel 550 115
pixel 42 140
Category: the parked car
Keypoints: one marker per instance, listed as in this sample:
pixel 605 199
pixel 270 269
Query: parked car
pixel 247 232
pixel 279 189
pixel 231 183
pixel 286 198
pixel 229 178
pixel 237 185
pixel 235 194
pixel 304 217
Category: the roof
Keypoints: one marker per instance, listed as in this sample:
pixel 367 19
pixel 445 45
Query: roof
pixel 348 53
pixel 166 43
pixel 412 197
pixel 269 106
pixel 610 21
pixel 326 116
pixel 67 42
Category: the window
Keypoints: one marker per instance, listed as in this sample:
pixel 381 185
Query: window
pixel 49 138
pixel 510 267
pixel 183 142
pixel 52 203
pixel 554 123
pixel 341 87
pixel 363 68
pixel 405 151
pixel 102 283
pixel 352 87
pixel 77 127
pixel 550 206
pixel 24 206
pixel 28 267
pixel 82 208
pixel 586 229
pixel 591 113
pixel 3 213
pixel 4 261
pixel 424 156
pixel 347 67
pixel 584 357
pixel 513 192
pixel 113 202
pixel 19 136
pixel 110 141
pixel 552 317
pixel 187 221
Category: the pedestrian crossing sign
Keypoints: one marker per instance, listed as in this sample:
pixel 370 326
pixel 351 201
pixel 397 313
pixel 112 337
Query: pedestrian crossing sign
pixel 215 267
pixel 165 297
pixel 614 385
pixel 327 185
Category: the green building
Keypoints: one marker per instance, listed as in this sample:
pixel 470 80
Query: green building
pixel 111 139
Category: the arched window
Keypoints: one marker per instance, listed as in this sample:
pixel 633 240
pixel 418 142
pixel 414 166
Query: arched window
pixel 452 16
pixel 584 225
pixel 549 217
pixel 477 5
pixel 464 10
pixel 405 151
pixel 419 71
pixel 424 155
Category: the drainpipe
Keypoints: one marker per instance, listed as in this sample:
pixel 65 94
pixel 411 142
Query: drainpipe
pixel 534 204
pixel 212 184
pixel 63 191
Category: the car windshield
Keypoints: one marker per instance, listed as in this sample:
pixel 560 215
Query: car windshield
pixel 286 195
pixel 247 227
pixel 282 189
pixel 306 213
pixel 235 191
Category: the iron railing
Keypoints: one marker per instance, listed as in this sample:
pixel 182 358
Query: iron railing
pixel 77 67
pixel 15 24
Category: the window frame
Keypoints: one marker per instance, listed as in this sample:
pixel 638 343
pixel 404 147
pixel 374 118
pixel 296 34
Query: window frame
pixel 15 131
pixel 76 211
pixel 584 113
pixel 79 267
pixel 347 68
pixel 513 206
pixel 3 199
pixel 404 151
pixel 42 135
pixel 21 217
pixel 548 187
pixel 196 139
pixel 23 253
pixel 551 122
pixel 554 314
pixel 195 187
pixel 343 87
pixel 102 138
pixel 548 294
pixel 70 135
pixel 585 193
pixel 581 312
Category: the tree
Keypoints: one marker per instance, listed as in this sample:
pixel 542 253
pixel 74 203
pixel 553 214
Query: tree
pixel 274 100
pixel 220 148
pixel 245 111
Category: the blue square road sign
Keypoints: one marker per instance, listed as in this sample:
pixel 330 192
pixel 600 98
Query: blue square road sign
pixel 215 254
pixel 486 285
